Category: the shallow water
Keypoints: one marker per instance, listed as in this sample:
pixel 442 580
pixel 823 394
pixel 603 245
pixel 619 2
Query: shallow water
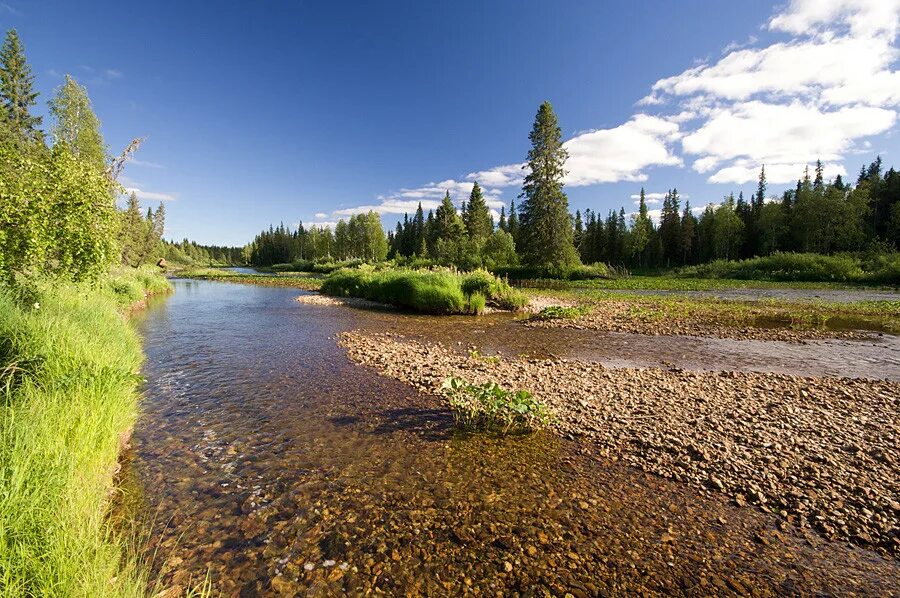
pixel 268 460
pixel 876 358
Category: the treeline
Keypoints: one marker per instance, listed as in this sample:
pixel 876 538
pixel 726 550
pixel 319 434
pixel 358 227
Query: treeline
pixel 191 253
pixel 814 217
pixel 361 237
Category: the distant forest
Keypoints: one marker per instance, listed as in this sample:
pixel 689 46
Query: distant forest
pixel 814 217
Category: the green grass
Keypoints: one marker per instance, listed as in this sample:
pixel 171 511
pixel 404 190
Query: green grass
pixel 426 291
pixel 69 382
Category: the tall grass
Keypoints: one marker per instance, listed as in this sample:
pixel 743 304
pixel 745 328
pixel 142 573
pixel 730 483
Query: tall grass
pixel 426 291
pixel 68 398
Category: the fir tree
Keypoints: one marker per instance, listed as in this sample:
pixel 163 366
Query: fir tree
pixel 545 229
pixel 17 96
pixel 477 217
pixel 512 221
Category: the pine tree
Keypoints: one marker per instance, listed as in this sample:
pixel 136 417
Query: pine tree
pixel 819 182
pixel 578 233
pixel 419 242
pixel 641 231
pixel 502 224
pixel 477 217
pixel 16 90
pixel 77 126
pixel 545 227
pixel 512 221
pixel 670 228
pixel 688 230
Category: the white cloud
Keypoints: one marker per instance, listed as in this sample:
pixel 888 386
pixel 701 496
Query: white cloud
pixel 745 135
pixel 785 105
pixel 150 195
pixel 389 206
pixel 321 216
pixel 863 17
pixel 621 153
pixel 320 224
pixel 499 176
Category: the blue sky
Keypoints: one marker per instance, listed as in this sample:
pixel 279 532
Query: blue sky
pixel 261 112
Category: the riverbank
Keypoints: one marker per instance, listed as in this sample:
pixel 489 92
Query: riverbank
pixel 817 452
pixel 70 386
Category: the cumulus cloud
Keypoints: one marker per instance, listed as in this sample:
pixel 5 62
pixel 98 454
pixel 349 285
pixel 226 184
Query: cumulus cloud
pixel 746 135
pixel 785 105
pixel 621 153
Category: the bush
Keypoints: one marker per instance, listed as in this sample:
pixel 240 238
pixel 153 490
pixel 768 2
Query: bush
pixel 488 407
pixel 580 272
pixel 783 266
pixel 427 291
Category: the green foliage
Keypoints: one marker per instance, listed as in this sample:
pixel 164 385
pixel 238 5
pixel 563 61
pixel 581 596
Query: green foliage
pixel 427 292
pixel 801 266
pixel 140 236
pixel 76 125
pixel 438 292
pixel 62 415
pixel 488 407
pixel 57 216
pixel 561 312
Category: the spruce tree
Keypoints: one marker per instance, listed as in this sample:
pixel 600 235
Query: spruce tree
pixel 545 227
pixel 512 221
pixel 477 217
pixel 502 224
pixel 17 95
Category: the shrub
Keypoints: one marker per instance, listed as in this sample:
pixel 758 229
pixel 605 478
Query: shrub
pixel 783 266
pixel 427 291
pixel 488 407
pixel 579 272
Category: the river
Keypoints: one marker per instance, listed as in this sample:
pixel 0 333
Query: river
pixel 265 459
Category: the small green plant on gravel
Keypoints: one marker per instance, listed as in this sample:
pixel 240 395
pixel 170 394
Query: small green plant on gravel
pixel 474 353
pixel 488 407
pixel 562 312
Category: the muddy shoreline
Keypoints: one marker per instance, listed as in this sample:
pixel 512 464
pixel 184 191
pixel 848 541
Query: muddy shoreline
pixel 819 453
